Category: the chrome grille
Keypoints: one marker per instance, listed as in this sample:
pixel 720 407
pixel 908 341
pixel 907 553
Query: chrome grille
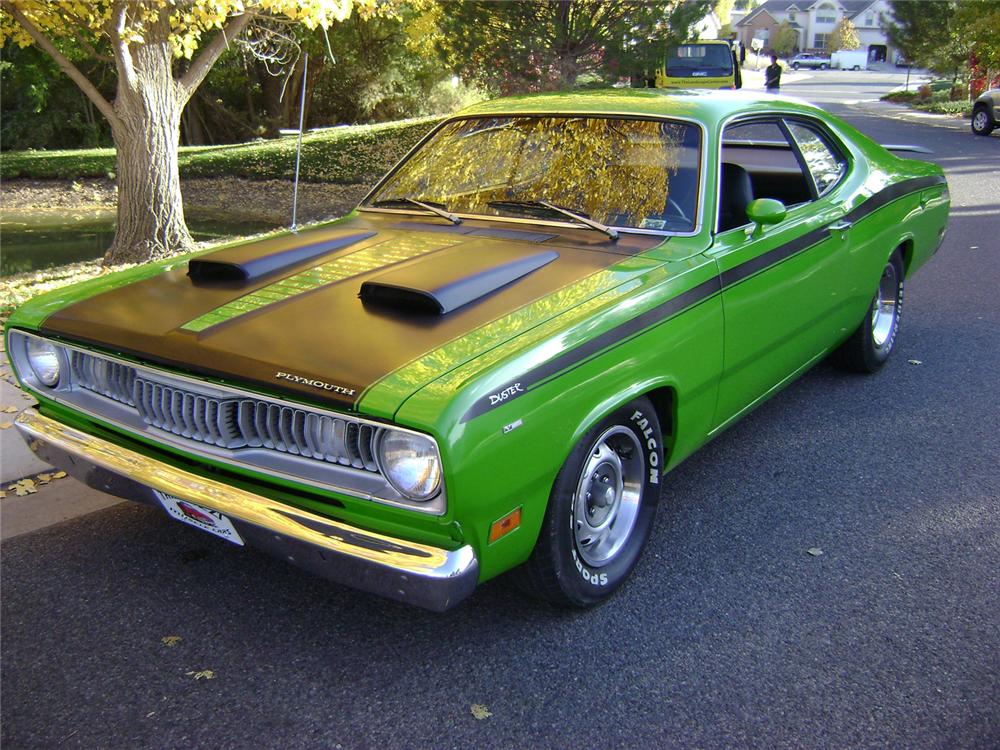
pixel 111 379
pixel 232 423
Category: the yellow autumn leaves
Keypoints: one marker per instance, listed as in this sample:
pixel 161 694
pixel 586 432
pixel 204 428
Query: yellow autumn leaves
pixel 613 170
pixel 189 21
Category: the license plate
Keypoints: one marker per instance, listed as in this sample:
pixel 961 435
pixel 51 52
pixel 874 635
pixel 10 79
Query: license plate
pixel 198 515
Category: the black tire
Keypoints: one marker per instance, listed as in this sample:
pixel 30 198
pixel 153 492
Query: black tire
pixel 822 66
pixel 873 341
pixel 981 123
pixel 795 66
pixel 562 569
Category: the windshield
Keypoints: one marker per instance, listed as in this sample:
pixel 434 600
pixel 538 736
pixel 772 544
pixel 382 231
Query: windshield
pixel 693 60
pixel 629 173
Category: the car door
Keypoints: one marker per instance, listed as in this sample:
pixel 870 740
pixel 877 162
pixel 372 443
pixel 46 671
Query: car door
pixel 782 287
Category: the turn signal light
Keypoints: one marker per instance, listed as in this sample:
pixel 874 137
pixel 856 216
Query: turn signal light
pixel 503 526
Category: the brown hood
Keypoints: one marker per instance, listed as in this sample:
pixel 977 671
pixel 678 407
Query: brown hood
pixel 295 322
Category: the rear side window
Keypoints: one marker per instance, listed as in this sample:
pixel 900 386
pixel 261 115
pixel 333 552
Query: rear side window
pixel 825 165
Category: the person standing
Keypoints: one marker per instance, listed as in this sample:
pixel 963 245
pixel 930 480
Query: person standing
pixel 734 47
pixel 772 76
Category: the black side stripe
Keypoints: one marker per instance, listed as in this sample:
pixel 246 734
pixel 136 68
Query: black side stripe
pixel 622 333
pixel 891 193
pixel 772 257
pixel 609 339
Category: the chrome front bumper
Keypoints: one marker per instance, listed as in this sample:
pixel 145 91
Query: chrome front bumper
pixel 419 574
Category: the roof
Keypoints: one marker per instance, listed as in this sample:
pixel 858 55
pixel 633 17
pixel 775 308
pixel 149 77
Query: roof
pixel 851 7
pixel 702 105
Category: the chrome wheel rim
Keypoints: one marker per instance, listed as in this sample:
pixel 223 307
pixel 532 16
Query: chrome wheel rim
pixel 886 308
pixel 608 496
pixel 979 120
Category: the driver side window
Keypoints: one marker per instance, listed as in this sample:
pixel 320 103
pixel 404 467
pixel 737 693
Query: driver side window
pixel 759 161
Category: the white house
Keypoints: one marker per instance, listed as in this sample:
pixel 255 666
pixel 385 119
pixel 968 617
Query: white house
pixel 815 20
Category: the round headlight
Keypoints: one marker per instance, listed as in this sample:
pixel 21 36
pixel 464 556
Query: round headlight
pixel 410 463
pixel 43 356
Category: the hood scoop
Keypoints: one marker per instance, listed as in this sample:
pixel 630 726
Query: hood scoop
pixel 256 260
pixel 450 279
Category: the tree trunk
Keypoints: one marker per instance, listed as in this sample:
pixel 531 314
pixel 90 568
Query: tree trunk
pixel 150 212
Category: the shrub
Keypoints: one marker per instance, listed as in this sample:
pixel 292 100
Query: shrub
pixel 900 97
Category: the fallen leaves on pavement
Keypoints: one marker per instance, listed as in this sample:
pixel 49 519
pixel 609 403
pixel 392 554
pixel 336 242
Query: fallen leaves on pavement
pixel 23 487
pixel 171 641
pixel 9 409
pixel 204 674
pixel 815 551
pixel 480 712
pixel 6 425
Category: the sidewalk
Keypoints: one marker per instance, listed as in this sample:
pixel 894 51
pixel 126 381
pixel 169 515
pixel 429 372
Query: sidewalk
pixel 16 460
pixel 906 114
pixel 60 499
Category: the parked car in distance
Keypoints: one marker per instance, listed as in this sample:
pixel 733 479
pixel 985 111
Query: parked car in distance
pixel 494 363
pixel 856 59
pixel 809 60
pixel 986 112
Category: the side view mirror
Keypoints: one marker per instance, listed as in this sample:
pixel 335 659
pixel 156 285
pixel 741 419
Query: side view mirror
pixel 764 211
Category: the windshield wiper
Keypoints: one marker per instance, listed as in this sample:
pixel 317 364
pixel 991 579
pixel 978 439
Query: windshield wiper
pixel 434 208
pixel 575 215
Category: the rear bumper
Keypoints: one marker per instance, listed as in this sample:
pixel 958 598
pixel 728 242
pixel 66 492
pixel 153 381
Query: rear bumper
pixel 419 574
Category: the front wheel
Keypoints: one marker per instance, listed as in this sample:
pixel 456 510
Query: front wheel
pixel 981 124
pixel 600 511
pixel 795 66
pixel 822 66
pixel 870 345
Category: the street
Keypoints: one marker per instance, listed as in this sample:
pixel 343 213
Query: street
pixel 125 629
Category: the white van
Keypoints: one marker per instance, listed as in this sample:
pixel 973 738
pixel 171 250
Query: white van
pixel 855 59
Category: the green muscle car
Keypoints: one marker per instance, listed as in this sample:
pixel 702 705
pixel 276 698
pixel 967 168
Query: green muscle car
pixel 493 364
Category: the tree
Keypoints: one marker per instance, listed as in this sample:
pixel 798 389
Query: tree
pixel 925 32
pixel 844 36
pixel 786 39
pixel 978 22
pixel 549 44
pixel 154 45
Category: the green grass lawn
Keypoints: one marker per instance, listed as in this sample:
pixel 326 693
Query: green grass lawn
pixel 356 153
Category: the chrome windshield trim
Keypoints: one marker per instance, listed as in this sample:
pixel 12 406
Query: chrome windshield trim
pixel 436 506
pixel 702 170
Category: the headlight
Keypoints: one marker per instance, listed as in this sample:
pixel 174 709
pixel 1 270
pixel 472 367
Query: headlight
pixel 410 463
pixel 43 356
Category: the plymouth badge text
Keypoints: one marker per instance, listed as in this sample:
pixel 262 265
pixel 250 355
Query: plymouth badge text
pixel 315 383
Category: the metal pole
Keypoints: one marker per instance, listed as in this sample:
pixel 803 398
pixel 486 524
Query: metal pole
pixel 298 146
pixel 908 66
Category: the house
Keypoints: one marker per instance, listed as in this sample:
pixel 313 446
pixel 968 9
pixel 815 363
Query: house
pixel 815 20
pixel 708 27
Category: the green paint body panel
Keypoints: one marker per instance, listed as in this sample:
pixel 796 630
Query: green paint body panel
pixel 712 323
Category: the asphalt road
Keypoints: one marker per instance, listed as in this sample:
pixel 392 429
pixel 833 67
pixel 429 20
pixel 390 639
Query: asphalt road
pixel 730 634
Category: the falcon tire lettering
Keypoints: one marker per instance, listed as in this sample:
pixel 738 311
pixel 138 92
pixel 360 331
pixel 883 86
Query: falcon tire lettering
pixel 651 445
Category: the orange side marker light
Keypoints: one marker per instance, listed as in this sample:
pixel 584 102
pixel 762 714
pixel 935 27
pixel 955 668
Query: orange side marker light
pixel 503 526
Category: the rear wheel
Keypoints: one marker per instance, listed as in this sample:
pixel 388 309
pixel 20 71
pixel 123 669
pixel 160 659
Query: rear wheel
pixel 600 511
pixel 870 345
pixel 795 66
pixel 822 66
pixel 981 123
